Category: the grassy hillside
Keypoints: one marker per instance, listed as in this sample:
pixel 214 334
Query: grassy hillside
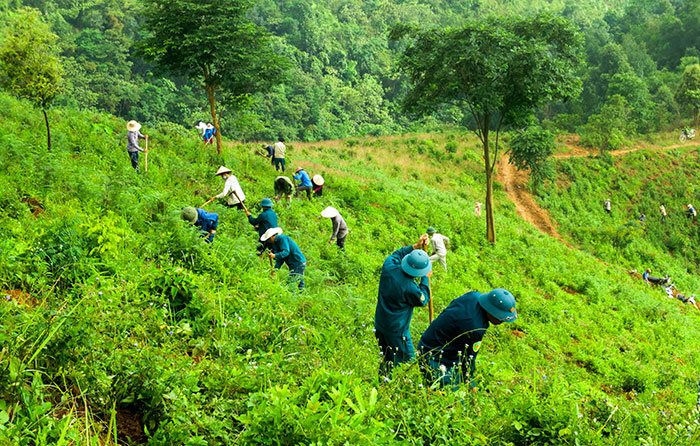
pixel 121 325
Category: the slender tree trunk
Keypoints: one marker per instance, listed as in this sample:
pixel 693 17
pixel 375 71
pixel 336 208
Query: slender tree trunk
pixel 488 171
pixel 214 116
pixel 48 129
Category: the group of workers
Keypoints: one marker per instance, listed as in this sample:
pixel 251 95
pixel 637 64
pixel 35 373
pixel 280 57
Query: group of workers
pixel 280 248
pixel 669 288
pixel 690 211
pixel 449 345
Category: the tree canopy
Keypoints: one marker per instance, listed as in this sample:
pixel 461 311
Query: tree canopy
pixel 214 42
pixel 500 70
pixel 29 61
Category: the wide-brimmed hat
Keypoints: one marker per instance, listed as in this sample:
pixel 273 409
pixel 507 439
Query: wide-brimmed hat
pixel 266 203
pixel 318 180
pixel 431 230
pixel 269 233
pixel 133 126
pixel 189 214
pixel 201 126
pixel 222 170
pixel 500 304
pixel 417 263
pixel 330 212
pixel 298 169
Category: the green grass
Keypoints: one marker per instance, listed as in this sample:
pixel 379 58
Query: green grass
pixel 123 307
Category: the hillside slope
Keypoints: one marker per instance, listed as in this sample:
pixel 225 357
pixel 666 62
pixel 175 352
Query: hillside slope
pixel 122 324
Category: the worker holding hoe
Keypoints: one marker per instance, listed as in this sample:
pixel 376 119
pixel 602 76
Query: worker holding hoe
pixel 398 295
pixel 266 220
pixel 133 135
pixel 284 250
pixel 235 198
pixel 449 345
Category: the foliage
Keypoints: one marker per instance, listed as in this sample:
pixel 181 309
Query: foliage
pixel 500 70
pixel 193 38
pixel 688 93
pixel 342 80
pixel 111 305
pixel 30 67
pixel 530 149
pixel 610 129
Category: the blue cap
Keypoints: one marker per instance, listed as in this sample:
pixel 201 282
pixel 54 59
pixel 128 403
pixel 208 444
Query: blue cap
pixel 266 203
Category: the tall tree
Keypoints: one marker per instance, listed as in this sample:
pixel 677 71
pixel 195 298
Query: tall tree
pixel 213 41
pixel 30 67
pixel 499 69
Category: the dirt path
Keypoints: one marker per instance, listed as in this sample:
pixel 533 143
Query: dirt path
pixel 515 183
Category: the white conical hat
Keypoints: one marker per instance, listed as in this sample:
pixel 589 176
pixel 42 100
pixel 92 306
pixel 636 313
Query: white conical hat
pixel 330 212
pixel 222 170
pixel 201 126
pixel 133 126
pixel 269 233
pixel 318 179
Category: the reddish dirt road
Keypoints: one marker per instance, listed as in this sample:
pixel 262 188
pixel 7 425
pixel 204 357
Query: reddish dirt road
pixel 515 183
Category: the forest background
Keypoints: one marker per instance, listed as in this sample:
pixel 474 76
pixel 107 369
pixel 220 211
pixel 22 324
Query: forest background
pixel 342 79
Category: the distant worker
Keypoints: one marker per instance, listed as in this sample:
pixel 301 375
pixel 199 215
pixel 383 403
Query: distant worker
pixel 449 346
pixel 607 206
pixel 133 135
pixel 284 250
pixel 317 183
pixel 278 152
pixel 304 181
pixel 266 220
pixel 233 193
pixel 692 213
pixel 270 151
pixel 662 209
pixel 397 296
pixel 340 228
pixel 648 278
pixel 207 222
pixel 284 187
pixel 209 133
pixel 438 247
pixel 477 208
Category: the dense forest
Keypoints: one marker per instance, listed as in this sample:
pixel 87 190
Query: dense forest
pixel 340 76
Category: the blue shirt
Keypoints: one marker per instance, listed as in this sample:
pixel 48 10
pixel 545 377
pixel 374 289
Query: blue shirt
pixel 398 294
pixel 266 220
pixel 303 177
pixel 206 222
pixel 287 251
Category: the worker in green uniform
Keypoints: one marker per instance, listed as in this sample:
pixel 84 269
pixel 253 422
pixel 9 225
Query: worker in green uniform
pixel 449 346
pixel 285 250
pixel 266 220
pixel 398 295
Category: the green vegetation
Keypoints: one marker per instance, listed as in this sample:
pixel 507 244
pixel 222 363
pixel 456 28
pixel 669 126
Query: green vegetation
pixel 342 79
pixel 497 72
pixel 120 322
